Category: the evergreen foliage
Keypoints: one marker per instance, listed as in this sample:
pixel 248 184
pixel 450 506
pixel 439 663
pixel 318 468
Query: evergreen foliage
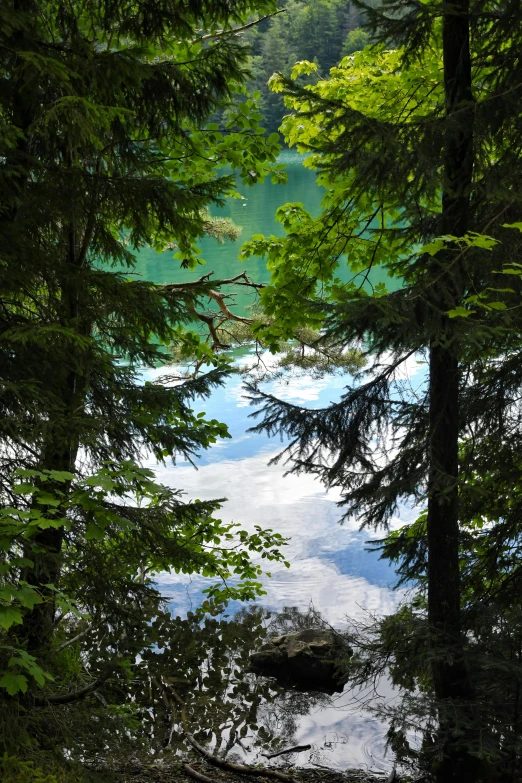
pixel 418 148
pixel 105 149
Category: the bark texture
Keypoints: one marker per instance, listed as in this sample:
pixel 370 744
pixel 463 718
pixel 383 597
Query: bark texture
pixel 451 679
pixel 60 451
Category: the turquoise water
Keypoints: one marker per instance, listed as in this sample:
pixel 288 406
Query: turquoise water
pixel 254 214
pixel 330 565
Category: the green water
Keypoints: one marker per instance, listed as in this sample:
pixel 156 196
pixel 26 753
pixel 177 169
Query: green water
pixel 331 567
pixel 255 215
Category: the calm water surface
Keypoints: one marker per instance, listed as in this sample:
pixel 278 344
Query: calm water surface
pixel 330 566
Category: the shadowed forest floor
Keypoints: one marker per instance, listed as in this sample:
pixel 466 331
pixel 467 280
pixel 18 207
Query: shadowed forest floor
pixel 175 774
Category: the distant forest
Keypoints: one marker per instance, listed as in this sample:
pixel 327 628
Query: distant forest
pixel 322 31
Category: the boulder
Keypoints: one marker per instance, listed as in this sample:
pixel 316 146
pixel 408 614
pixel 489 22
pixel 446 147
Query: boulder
pixel 310 660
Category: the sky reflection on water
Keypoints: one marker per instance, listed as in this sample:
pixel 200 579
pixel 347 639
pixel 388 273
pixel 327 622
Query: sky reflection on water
pixel 331 567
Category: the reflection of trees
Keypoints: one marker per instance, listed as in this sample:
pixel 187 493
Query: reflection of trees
pixel 280 717
pixel 227 707
pixel 292 619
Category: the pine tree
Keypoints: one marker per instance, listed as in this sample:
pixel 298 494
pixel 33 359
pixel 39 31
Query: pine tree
pixel 107 148
pixel 419 151
pixel 316 30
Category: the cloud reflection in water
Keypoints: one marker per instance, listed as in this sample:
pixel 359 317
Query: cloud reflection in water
pixel 330 566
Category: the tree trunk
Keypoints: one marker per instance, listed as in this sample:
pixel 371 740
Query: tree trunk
pixel 38 622
pixel 45 551
pixel 450 676
pixel 61 450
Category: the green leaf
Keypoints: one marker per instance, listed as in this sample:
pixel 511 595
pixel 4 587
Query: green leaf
pixel 459 312
pixel 432 248
pixel 61 475
pixel 95 532
pixel 24 489
pixel 482 240
pixel 303 68
pixel 13 683
pixel 28 597
pixel 10 615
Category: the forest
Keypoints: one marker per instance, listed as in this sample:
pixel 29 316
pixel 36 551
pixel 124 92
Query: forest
pixel 128 129
pixel 323 32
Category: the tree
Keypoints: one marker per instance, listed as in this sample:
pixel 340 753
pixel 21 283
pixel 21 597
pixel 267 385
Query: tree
pixel 314 30
pixel 411 144
pixel 106 149
pixel 356 40
pixel 318 33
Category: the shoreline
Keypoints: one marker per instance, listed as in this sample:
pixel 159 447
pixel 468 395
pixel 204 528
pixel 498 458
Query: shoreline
pixel 174 773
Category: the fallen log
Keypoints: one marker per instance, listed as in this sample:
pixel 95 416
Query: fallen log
pixel 240 769
pixel 229 766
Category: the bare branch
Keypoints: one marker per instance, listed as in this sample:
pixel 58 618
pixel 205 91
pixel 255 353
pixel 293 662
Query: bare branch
pixel 294 749
pixel 220 299
pixel 242 769
pixel 193 773
pixel 69 698
pixel 241 279
pixel 209 321
pixel 221 33
pixel 73 640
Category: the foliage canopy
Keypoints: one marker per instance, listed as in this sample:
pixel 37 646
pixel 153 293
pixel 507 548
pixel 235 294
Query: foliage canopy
pixel 106 148
pixel 416 142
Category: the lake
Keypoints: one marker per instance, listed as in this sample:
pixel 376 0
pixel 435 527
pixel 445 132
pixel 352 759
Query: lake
pixel 331 568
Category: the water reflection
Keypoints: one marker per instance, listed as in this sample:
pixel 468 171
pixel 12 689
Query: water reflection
pixel 331 568
pixel 330 564
pixel 239 715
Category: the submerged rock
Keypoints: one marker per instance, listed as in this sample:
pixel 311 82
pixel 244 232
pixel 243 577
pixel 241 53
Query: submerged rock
pixel 311 660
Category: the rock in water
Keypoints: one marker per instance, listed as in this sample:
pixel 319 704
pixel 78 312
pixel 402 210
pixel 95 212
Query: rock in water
pixel 311 660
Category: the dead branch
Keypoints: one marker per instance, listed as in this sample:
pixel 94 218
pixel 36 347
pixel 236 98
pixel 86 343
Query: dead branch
pixel 73 640
pixel 193 773
pixel 240 769
pixel 195 287
pixel 295 749
pixel 69 698
pixel 209 321
pixel 188 285
pixel 220 299
pixel 235 30
pixel 241 279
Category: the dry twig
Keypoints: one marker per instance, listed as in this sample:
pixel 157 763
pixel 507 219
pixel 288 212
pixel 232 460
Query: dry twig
pixel 295 749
